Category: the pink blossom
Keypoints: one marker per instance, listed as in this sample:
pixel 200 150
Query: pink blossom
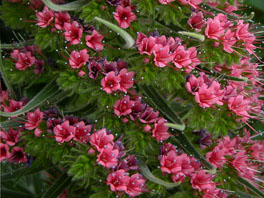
pixel 17 155
pixel 81 73
pixel 34 119
pixel 195 3
pixel 196 21
pixel 162 55
pixel 78 59
pixel 45 17
pixel 82 132
pixel 193 84
pixel 149 116
pixel 13 106
pixel 136 185
pixel 243 33
pixel 25 60
pixel 124 16
pixel 202 181
pixel 227 145
pixel 108 157
pixel 94 41
pixel 178 177
pixel 4 152
pixel 213 193
pixel 3 96
pixel 165 1
pixel 214 30
pixel 216 157
pixel 160 131
pixel 64 132
pixel 61 18
pixel 38 132
pixel 73 32
pixel 118 180
pixel 147 128
pixel 147 45
pixel 171 163
pixel 140 37
pixel 181 57
pixel 228 41
pixel 15 54
pixel 11 137
pixel 123 107
pixel 111 82
pixel 101 139
pixel 193 57
pixel 239 162
pixel 186 166
pixel 239 106
pixel 126 81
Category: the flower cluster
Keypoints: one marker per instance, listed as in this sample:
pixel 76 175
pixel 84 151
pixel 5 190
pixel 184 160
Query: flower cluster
pixel 135 109
pixel 27 57
pixel 193 3
pixel 242 153
pixel 180 165
pixel 167 51
pixel 124 16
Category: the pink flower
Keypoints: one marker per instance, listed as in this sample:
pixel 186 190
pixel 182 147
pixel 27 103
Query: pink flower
pixel 15 54
pixel 82 132
pixel 111 82
pixel 118 180
pixel 216 157
pixel 108 157
pixel 186 166
pixel 136 185
pixel 228 41
pixel 94 41
pixel 243 33
pixel 213 193
pixel 123 107
pixel 13 106
pixel 196 21
pixel 148 116
pixel 165 1
pixel 193 57
pixel 239 106
pixel 45 17
pixel 227 145
pixel 11 137
pixel 214 30
pixel 78 59
pixel 101 139
pixel 61 18
pixel 140 37
pixel 181 57
pixel 202 181
pixel 171 163
pixel 162 55
pixel 193 84
pixel 25 60
pixel 17 155
pixel 124 16
pixel 147 45
pixel 73 32
pixel 178 177
pixel 160 131
pixel 34 119
pixel 126 81
pixel 4 152
pixel 38 132
pixel 239 162
pixel 64 132
pixel 195 3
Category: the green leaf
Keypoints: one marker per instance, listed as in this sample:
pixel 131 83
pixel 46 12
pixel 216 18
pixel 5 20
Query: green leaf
pixel 200 37
pixel 14 123
pixel 75 5
pixel 129 40
pixel 47 92
pixel 179 127
pixel 5 77
pixel 58 186
pixel 250 186
pixel 147 174
pixel 6 193
pixel 259 136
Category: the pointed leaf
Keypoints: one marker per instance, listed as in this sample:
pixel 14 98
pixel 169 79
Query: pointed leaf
pixel 14 123
pixel 47 92
pixel 75 5
pixel 58 187
pixel 259 136
pixel 200 37
pixel 11 194
pixel 5 77
pixel 147 174
pixel 251 186
pixel 129 40
pixel 179 127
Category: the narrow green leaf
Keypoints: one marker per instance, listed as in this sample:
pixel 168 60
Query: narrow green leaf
pixel 47 92
pixel 250 186
pixel 5 77
pixel 6 193
pixel 58 186
pixel 75 5
pixel 16 45
pixel 243 195
pixel 147 174
pixel 129 40
pixel 259 136
pixel 200 37
pixel 14 123
pixel 179 127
